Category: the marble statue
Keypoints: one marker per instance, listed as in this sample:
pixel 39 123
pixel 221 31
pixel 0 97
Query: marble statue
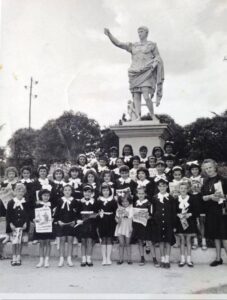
pixel 146 73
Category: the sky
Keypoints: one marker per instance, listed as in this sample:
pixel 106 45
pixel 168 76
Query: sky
pixel 61 44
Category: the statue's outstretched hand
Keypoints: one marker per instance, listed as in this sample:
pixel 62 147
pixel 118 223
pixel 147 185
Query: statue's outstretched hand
pixel 106 31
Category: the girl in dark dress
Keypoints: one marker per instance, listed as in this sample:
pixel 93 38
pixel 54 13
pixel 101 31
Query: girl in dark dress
pixel 125 181
pixel 75 180
pixel 119 163
pixel 214 192
pixel 86 228
pixel 58 184
pixel 140 232
pixel 136 165
pixel 44 238
pixel 29 184
pixel 42 182
pixel 186 223
pixel 158 153
pixel 113 157
pixel 65 217
pixel 143 181
pixel 108 178
pixel 17 222
pixel 106 221
pixel 164 215
pixel 92 179
pixel 127 153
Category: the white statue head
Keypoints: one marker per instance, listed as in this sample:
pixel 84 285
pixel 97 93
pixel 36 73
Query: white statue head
pixel 143 32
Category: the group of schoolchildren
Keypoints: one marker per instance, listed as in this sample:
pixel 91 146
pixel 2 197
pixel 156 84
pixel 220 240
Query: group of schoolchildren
pixel 96 202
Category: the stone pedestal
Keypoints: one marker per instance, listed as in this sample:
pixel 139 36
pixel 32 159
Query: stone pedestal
pixel 142 133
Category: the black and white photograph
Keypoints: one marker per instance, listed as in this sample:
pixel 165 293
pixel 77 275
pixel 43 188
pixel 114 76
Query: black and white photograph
pixel 113 149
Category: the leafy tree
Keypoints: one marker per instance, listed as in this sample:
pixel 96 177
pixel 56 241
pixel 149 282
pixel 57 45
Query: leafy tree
pixel 64 138
pixel 22 145
pixel 108 139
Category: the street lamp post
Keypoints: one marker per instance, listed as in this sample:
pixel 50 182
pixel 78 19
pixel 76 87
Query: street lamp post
pixel 32 81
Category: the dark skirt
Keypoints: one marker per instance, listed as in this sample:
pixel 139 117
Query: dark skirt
pixel 87 230
pixel 141 232
pixel 66 230
pixel 106 226
pixel 192 228
pixel 216 226
pixel 44 236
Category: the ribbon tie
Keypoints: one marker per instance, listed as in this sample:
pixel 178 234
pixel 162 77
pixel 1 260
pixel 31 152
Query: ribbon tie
pixel 122 181
pixel 112 160
pixel 18 203
pixel 195 162
pixel 75 183
pixel 127 158
pixel 45 184
pixel 143 160
pixel 183 203
pixel 159 177
pixel 66 202
pixel 161 197
pixel 101 169
pixel 140 203
pixel 142 183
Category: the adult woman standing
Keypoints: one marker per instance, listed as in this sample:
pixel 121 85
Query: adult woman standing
pixel 214 193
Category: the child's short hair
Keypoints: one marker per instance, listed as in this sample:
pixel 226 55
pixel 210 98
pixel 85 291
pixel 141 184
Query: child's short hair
pixel 193 164
pixel 160 162
pixel 20 184
pixel 184 183
pixel 157 148
pixel 58 170
pixel 104 158
pixel 178 168
pixel 142 148
pixel 87 187
pixel 169 143
pixel 74 169
pixel 42 167
pixel 124 169
pixel 11 169
pixel 144 170
pixel 127 197
pixel 108 172
pixel 127 145
pixel 113 148
pixel 42 192
pixel 162 181
pixel 81 155
pixel 171 157
pixel 27 168
pixel 67 185
pixel 136 157
pixel 105 186
pixel 141 188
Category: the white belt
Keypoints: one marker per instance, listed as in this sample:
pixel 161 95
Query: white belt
pixel 87 212
pixel 108 213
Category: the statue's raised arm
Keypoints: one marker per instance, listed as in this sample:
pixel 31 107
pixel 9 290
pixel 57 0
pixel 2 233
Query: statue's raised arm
pixel 125 46
pixel 146 73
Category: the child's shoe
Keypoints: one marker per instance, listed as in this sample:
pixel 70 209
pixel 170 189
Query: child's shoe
pixel 40 264
pixel 61 262
pixel 46 263
pixel 69 261
pixel 142 261
pixel 155 262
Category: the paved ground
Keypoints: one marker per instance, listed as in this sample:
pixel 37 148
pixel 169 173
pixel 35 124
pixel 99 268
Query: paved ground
pixel 113 279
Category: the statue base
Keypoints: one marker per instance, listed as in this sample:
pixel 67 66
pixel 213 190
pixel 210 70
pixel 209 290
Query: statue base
pixel 142 133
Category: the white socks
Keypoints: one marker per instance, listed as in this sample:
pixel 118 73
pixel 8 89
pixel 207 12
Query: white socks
pixel 46 262
pixel 88 259
pixel 84 259
pixel 189 259
pixel 108 254
pixel 40 264
pixel 167 259
pixel 69 261
pixel 104 258
pixel 61 261
pixel 162 259
pixel 182 259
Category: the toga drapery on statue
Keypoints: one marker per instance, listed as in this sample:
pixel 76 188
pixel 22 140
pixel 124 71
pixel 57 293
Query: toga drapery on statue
pixel 146 73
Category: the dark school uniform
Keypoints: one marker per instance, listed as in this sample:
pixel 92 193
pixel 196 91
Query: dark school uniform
pixel 112 163
pixel 57 191
pixel 164 216
pixel 216 221
pixel 187 206
pixel 18 214
pixel 141 232
pixel 106 221
pixel 40 184
pixel 76 184
pixel 66 211
pixel 155 182
pixel 88 209
pixel 128 161
pixel 122 184
pixel 149 187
